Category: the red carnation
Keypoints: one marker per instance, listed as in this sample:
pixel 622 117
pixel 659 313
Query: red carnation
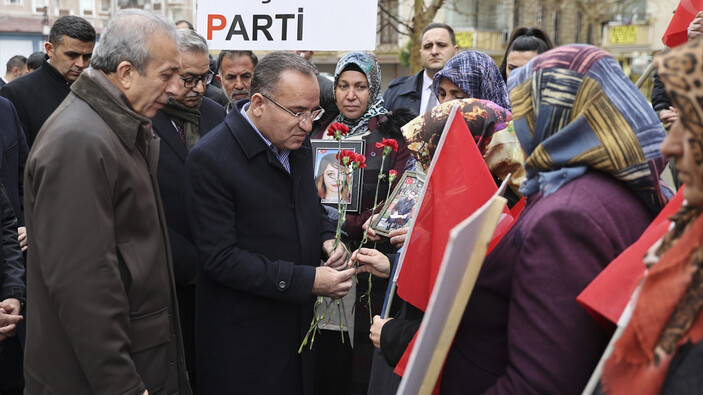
pixel 361 160
pixel 392 174
pixel 337 130
pixel 388 145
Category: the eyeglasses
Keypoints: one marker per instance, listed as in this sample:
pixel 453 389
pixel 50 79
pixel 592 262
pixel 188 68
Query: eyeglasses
pixel 300 116
pixel 192 82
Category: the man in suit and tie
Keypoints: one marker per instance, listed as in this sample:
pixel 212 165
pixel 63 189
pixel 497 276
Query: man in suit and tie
pixel 437 46
pixel 184 119
pixel 261 230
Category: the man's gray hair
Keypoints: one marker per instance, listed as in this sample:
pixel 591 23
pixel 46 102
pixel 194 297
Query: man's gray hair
pixel 190 41
pixel 267 73
pixel 126 38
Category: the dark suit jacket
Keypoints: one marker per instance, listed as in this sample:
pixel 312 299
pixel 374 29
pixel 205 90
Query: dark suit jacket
pixel 36 95
pixel 259 232
pixel 404 92
pixel 170 173
pixel 13 156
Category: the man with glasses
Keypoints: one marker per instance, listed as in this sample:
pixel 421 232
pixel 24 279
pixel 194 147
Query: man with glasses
pixel 261 230
pixel 180 123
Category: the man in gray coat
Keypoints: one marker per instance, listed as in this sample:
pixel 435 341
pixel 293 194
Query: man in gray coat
pixel 103 305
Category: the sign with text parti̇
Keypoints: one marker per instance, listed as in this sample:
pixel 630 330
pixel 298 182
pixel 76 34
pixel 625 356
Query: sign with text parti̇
pixel 265 25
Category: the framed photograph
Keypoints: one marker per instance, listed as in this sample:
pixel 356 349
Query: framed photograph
pixel 400 208
pixel 330 187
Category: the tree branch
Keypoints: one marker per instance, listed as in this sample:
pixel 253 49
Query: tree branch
pixel 398 21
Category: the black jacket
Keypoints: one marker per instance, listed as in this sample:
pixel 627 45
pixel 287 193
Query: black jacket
pixel 259 232
pixel 36 95
pixel 11 263
pixel 404 92
pixel 13 155
pixel 660 100
pixel 171 173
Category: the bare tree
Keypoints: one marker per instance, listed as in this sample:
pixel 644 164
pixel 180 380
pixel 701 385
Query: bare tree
pixel 423 14
pixel 598 12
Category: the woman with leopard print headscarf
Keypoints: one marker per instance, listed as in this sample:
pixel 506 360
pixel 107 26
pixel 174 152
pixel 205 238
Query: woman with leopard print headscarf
pixel 660 350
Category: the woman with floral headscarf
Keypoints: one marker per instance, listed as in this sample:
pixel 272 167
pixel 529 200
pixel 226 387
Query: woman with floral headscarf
pixel 660 350
pixel 591 142
pixel 357 86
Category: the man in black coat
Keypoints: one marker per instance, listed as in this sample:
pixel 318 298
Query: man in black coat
pixel 12 288
pixel 438 45
pixel 13 155
pixel 261 230
pixel 37 94
pixel 180 124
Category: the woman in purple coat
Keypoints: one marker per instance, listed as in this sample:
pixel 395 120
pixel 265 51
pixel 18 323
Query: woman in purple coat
pixel 592 148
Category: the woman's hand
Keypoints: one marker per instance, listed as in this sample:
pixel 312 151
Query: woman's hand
pixel 372 261
pixel 376 328
pixel 371 235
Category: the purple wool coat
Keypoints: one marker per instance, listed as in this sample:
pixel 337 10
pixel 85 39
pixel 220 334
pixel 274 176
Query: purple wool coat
pixel 523 331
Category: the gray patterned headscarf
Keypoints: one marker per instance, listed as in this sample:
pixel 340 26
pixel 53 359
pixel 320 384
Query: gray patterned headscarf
pixel 369 66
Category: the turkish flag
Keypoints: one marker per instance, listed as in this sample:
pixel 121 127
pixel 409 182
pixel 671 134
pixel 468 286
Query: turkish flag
pixel 607 295
pixel 677 32
pixel 458 184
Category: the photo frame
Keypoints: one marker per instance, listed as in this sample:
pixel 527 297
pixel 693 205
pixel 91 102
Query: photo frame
pixel 324 162
pixel 400 208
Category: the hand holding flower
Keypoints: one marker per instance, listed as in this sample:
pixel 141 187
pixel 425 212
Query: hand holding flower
pixel 372 261
pixel 337 256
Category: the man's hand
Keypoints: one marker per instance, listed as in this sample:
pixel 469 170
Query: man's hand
pixel 372 261
pixel 9 317
pixel 695 29
pixel 376 328
pixel 330 282
pixel 398 236
pixel 337 257
pixel 668 116
pixel 22 237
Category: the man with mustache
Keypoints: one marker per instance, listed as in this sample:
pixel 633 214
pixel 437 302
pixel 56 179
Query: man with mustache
pixel 104 316
pixel 184 119
pixel 236 69
pixel 36 95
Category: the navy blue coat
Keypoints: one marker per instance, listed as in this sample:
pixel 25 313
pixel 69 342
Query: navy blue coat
pixel 404 92
pixel 259 232
pixel 171 174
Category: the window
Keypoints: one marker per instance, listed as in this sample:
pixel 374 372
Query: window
pixel 13 2
pixel 387 21
pixel 484 14
pixel 87 7
pixel 38 6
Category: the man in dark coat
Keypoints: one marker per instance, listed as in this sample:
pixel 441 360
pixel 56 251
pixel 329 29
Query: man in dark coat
pixel 438 45
pixel 12 288
pixel 36 95
pixel 13 155
pixel 261 230
pixel 103 311
pixel 180 124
